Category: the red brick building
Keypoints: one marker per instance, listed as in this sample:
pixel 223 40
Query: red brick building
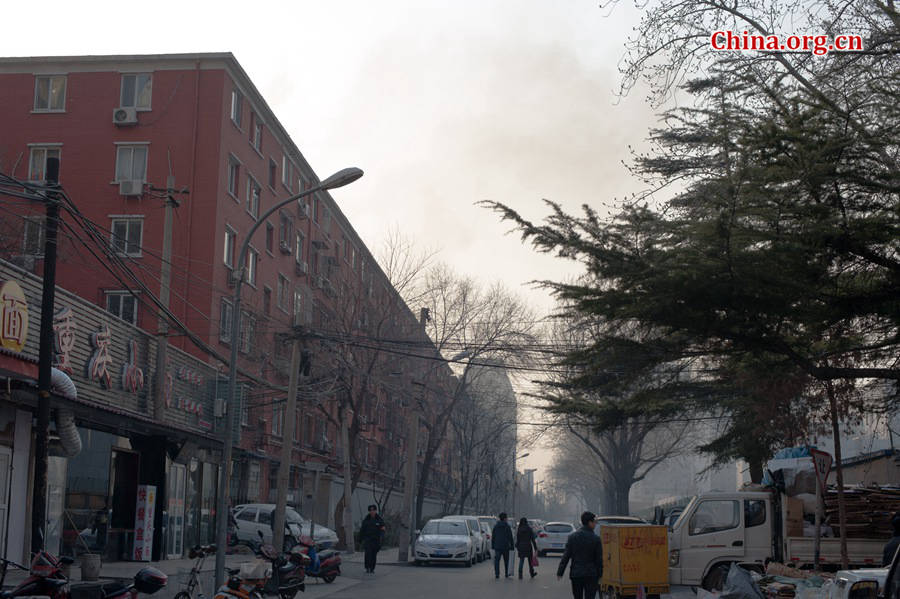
pixel 122 127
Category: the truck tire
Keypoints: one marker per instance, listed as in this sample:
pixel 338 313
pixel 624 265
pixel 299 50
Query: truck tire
pixel 715 578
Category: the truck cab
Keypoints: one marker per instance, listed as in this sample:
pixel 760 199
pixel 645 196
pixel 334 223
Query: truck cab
pixel 716 530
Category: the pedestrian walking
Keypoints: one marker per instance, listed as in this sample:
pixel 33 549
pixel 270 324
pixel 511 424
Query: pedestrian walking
pixel 584 550
pixel 371 534
pixel 526 545
pixel 502 543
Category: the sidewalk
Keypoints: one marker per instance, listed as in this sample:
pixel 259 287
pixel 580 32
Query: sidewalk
pixel 178 571
pixel 386 557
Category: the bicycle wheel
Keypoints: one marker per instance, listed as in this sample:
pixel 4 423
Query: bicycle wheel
pixel 183 595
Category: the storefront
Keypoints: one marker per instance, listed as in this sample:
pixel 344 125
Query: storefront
pixel 143 485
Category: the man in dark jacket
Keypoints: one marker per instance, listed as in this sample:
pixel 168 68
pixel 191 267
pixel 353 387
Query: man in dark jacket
pixel 584 549
pixel 891 548
pixel 502 543
pixel 370 534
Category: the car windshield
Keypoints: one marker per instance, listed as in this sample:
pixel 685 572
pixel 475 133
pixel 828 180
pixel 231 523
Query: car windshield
pixel 445 527
pixel 292 516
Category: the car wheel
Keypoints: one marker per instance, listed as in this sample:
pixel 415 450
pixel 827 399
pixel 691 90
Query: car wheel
pixel 469 562
pixel 715 578
pixel 418 563
pixel 329 578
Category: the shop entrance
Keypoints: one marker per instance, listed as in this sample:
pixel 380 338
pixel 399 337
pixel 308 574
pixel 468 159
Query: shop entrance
pixel 123 483
pixel 5 460
pixel 175 511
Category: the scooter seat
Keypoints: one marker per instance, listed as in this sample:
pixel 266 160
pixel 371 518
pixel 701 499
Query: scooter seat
pixel 287 568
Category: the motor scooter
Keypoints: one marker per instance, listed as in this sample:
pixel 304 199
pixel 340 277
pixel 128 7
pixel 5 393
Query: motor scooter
pixel 323 563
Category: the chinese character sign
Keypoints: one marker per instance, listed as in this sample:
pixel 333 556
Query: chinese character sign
pixel 132 375
pixel 98 366
pixel 13 316
pixel 64 338
pixel 143 523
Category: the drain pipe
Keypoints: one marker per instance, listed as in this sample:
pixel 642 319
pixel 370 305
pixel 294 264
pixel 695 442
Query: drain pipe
pixel 69 438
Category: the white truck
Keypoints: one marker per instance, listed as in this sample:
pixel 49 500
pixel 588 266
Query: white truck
pixel 750 528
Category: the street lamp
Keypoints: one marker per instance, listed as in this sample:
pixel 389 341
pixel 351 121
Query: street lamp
pixel 515 480
pixel 338 179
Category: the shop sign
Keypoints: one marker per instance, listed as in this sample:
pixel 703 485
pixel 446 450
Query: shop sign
pixel 64 338
pixel 143 523
pixel 98 365
pixel 132 375
pixel 13 316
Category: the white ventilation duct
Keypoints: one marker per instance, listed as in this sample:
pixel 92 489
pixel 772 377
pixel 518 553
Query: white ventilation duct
pixel 69 438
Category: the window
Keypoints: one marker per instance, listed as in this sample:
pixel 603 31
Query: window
pixel 298 421
pixel 136 90
pixel 316 206
pixel 287 173
pixel 754 512
pixel 326 218
pixel 256 132
pixel 228 256
pixel 298 307
pixel 127 235
pixel 234 176
pixel 273 173
pixel 253 191
pixel 245 415
pixel 283 292
pixel 50 93
pixel 123 305
pixel 250 266
pixel 278 420
pixel 248 326
pixel 270 237
pixel 267 300
pixel 265 516
pixel 253 481
pixel 226 314
pixel 298 247
pixel 353 257
pixel 37 165
pixel 33 236
pixel 714 516
pixel 131 163
pixel 248 514
pixel 237 101
pixel 346 249
pixel 285 227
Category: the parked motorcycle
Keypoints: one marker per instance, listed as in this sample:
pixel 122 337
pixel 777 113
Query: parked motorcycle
pixel 46 578
pixel 273 574
pixel 323 563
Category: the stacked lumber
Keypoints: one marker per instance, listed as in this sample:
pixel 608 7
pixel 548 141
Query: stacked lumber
pixel 869 511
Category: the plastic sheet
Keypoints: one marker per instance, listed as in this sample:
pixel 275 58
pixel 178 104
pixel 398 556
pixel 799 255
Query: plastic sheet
pixel 739 584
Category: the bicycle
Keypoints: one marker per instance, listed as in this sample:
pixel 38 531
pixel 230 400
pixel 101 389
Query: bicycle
pixel 193 588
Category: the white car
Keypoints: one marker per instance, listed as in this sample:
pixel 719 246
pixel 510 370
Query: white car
pixel 253 518
pixel 482 547
pixel 445 542
pixel 553 537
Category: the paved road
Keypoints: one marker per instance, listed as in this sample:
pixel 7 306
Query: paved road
pixel 443 582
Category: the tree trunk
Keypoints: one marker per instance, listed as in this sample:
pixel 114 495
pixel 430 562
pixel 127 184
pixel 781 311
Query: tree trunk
pixel 839 472
pixel 756 470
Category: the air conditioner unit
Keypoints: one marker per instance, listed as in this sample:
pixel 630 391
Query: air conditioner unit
pixel 302 268
pixel 131 188
pixel 302 210
pixel 221 408
pixel 285 247
pixel 125 115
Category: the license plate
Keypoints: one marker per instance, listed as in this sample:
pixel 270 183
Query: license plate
pixel 440 553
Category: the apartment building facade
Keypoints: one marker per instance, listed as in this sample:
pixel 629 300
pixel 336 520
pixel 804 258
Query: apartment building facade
pixel 133 132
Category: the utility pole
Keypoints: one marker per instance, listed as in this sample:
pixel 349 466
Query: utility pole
pixel 45 360
pixel 408 523
pixel 348 512
pixel 165 282
pixel 287 446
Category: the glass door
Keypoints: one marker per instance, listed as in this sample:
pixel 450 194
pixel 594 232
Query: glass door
pixel 175 511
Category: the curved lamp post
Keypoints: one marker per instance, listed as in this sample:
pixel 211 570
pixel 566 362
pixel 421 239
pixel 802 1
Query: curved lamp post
pixel 338 179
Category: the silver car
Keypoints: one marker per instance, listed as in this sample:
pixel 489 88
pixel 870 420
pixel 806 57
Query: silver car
pixel 482 547
pixel 445 541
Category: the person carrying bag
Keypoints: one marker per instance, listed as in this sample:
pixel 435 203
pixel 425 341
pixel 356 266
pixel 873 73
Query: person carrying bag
pixel 526 545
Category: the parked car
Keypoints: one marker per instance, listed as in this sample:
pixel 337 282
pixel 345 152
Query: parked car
pixel 482 548
pixel 445 541
pixel 553 537
pixel 253 518
pixel 486 532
